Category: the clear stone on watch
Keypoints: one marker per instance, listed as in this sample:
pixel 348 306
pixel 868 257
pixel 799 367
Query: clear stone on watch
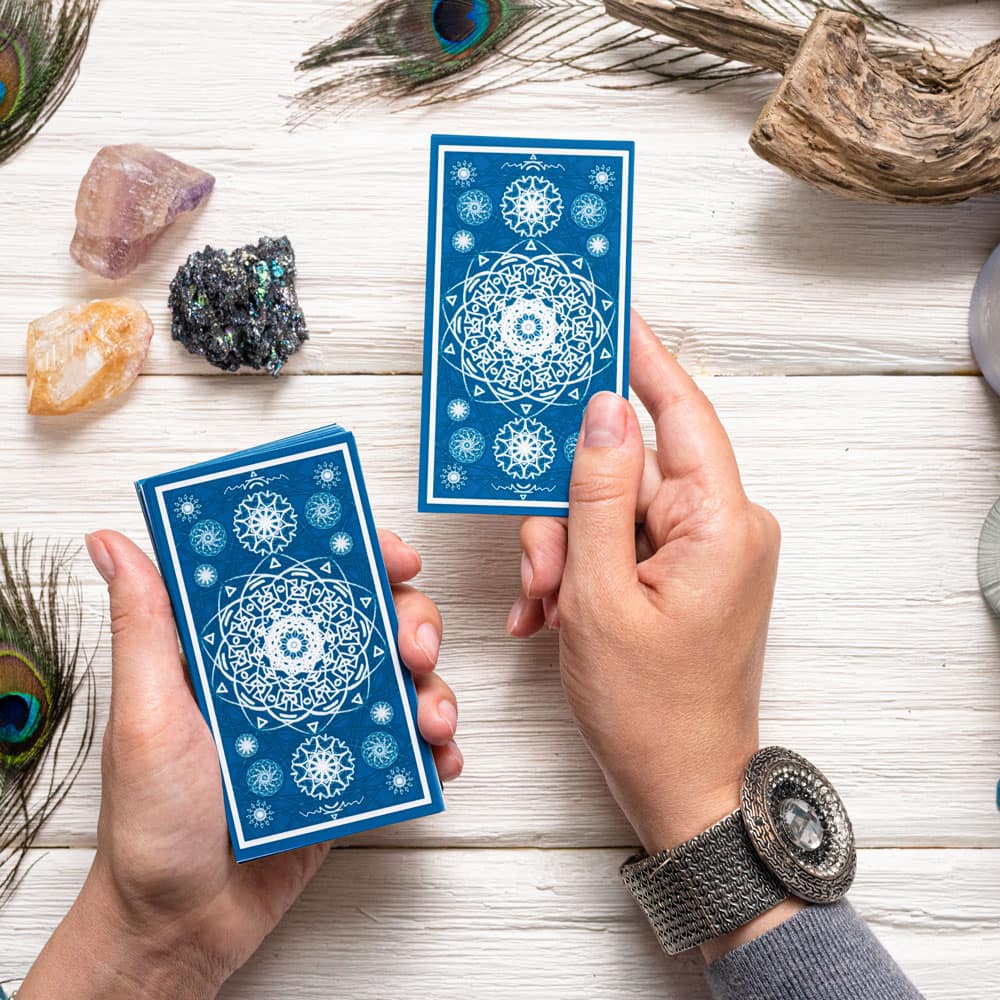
pixel 802 824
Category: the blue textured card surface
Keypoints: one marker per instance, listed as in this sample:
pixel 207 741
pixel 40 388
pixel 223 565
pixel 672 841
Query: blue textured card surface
pixel 286 616
pixel 527 315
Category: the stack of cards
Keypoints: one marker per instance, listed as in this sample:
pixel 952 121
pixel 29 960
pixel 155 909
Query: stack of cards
pixel 285 613
pixel 526 315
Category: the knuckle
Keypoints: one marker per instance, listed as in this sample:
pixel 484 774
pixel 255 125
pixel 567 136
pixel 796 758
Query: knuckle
pixel 139 609
pixel 601 490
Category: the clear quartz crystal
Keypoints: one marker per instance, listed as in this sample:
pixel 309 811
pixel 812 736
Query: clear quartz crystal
pixel 801 823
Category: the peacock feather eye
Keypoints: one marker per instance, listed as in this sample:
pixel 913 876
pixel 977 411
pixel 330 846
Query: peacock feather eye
pixel 13 72
pixel 460 24
pixel 24 706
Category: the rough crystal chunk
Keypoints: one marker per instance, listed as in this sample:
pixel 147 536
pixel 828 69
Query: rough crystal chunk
pixel 802 824
pixel 127 198
pixel 82 354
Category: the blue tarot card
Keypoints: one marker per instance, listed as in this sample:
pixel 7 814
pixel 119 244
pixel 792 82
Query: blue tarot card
pixel 286 616
pixel 527 312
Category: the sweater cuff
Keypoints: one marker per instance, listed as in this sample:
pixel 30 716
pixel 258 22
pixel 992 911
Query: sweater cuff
pixel 822 953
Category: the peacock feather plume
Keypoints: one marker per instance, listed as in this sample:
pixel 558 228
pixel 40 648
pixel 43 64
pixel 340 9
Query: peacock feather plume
pixel 41 45
pixel 43 672
pixel 425 51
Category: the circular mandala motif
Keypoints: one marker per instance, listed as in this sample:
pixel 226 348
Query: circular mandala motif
pixel 293 644
pixel 569 448
pixel 265 777
pixel 323 510
pixel 463 241
pixel 246 745
pixel 322 766
pixel 341 543
pixel 206 575
pixel 399 781
pixel 524 449
pixel 588 210
pixel 474 207
pixel 382 713
pixel 531 206
pixel 597 245
pixel 380 750
pixel 463 173
pixel 458 410
pixel 260 814
pixel 265 523
pixel 208 538
pixel 602 177
pixel 326 475
pixel 187 508
pixel 454 477
pixel 528 330
pixel 466 445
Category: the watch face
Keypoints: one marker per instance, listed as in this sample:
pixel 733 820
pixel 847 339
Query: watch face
pixel 798 825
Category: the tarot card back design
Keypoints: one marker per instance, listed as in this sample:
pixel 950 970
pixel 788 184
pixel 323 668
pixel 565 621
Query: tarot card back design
pixel 286 616
pixel 527 315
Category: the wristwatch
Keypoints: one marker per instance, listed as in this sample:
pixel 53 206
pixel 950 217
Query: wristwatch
pixel 791 836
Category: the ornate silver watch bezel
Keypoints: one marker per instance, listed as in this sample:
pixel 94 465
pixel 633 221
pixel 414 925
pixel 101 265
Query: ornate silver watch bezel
pixel 820 876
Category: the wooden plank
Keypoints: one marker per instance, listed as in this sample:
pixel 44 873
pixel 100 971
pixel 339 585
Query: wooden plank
pixel 530 923
pixel 882 662
pixel 742 269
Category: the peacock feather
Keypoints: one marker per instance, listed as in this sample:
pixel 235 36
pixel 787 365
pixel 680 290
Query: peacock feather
pixel 41 45
pixel 425 51
pixel 43 671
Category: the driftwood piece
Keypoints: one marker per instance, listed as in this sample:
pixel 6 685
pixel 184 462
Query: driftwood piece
pixel 847 121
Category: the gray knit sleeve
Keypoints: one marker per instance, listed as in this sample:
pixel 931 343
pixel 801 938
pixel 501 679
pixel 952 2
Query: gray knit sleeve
pixel 822 953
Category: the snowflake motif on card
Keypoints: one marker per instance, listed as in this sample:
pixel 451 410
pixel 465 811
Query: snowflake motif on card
pixel 454 477
pixel 187 508
pixel 588 210
pixel 602 178
pixel 265 523
pixel 524 449
pixel 458 410
pixel 474 207
pixel 380 750
pixel 322 766
pixel 208 537
pixel 260 814
pixel 463 173
pixel 598 245
pixel 569 448
pixel 341 543
pixel 531 206
pixel 265 777
pixel 399 781
pixel 382 713
pixel 246 745
pixel 206 575
pixel 323 511
pixel 326 475
pixel 463 241
pixel 528 328
pixel 466 445
pixel 293 644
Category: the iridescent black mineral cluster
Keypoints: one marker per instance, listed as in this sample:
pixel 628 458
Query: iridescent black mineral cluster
pixel 239 308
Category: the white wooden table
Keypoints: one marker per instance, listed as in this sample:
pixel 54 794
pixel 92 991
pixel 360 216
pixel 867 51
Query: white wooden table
pixel 880 460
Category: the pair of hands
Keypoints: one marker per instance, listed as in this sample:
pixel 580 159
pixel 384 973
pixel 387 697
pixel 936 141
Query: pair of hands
pixel 660 585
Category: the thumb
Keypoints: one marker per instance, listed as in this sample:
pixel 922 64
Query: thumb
pixel 604 491
pixel 147 672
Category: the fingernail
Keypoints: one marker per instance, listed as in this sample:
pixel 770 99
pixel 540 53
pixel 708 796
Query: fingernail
pixel 527 573
pixel 449 714
pixel 429 641
pixel 459 757
pixel 100 557
pixel 604 421
pixel 554 619
pixel 515 615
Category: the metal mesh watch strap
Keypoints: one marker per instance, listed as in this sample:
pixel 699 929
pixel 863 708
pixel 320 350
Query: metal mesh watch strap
pixel 706 887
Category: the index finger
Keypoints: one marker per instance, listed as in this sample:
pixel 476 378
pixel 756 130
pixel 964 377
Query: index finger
pixel 690 437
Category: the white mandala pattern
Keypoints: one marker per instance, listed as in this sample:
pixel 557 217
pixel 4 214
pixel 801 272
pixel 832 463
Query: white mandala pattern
pixel 399 781
pixel 326 475
pixel 293 643
pixel 260 814
pixel 380 749
pixel 454 477
pixel 382 713
pixel 206 575
pixel 187 508
pixel 463 241
pixel 458 410
pixel 341 543
pixel 322 766
pixel 531 206
pixel 474 207
pixel 265 777
pixel 246 745
pixel 602 177
pixel 463 173
pixel 466 445
pixel 597 245
pixel 323 511
pixel 524 449
pixel 588 210
pixel 569 448
pixel 265 523
pixel 528 328
pixel 208 538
